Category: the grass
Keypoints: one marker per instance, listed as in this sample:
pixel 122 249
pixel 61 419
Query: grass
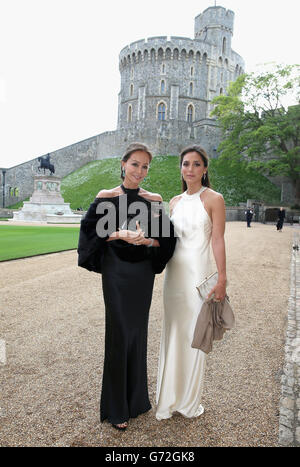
pixel 23 241
pixel 234 182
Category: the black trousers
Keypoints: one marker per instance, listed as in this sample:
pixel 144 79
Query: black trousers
pixel 127 290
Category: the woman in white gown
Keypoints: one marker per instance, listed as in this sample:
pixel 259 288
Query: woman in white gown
pixel 198 216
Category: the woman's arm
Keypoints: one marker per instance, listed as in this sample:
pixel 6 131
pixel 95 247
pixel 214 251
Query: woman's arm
pixel 218 246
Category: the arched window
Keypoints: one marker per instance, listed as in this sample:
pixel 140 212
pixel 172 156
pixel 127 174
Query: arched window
pixel 131 90
pixel 161 114
pixel 162 86
pixel 163 69
pixel 160 54
pixel 224 46
pixel 191 89
pixel 191 55
pixel 176 54
pixel 129 117
pixel 190 113
pixel 192 71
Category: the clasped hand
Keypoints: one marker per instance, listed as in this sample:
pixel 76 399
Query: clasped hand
pixel 218 293
pixel 129 236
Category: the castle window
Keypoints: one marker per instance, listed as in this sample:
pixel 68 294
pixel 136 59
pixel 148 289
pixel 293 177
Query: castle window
pixel 163 68
pixel 190 113
pixel 161 111
pixel 131 89
pixel 224 46
pixel 132 74
pixel 162 87
pixel 129 116
pixel 160 54
pixel 192 71
pixel 191 89
pixel 176 54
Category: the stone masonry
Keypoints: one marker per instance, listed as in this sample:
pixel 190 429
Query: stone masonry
pixel 289 418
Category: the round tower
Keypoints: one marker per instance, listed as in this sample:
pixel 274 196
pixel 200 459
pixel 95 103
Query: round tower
pixel 215 26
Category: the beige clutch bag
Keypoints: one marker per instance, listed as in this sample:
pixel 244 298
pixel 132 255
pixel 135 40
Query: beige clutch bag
pixel 207 284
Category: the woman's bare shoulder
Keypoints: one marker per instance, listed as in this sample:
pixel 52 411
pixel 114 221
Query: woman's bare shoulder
pixel 112 193
pixel 213 195
pixel 150 196
pixel 175 199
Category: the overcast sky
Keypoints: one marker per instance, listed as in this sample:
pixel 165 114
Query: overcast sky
pixel 59 60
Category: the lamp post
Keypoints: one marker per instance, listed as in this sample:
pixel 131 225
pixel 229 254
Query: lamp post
pixel 3 187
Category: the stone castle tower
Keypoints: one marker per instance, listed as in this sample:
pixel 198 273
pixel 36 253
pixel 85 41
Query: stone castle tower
pixel 167 85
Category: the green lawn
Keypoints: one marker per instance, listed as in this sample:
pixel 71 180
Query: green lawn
pixel 22 241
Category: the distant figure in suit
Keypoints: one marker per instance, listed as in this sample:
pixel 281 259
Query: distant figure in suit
pixel 249 215
pixel 281 216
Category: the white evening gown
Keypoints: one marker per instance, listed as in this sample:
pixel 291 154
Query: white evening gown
pixel 181 368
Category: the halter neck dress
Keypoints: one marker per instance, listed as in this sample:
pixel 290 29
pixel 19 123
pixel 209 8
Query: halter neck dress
pixel 181 368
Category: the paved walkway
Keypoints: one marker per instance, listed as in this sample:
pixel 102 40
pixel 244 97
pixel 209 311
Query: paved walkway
pixel 289 420
pixel 52 326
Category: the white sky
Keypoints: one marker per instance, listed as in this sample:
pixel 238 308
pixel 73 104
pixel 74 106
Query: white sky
pixel 59 60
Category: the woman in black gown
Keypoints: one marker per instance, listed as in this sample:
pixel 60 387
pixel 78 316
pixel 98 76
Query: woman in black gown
pixel 127 237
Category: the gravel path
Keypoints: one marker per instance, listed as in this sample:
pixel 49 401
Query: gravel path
pixel 52 319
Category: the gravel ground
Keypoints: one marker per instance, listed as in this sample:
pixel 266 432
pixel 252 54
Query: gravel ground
pixel 52 319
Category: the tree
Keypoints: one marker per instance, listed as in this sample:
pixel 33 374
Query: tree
pixel 260 121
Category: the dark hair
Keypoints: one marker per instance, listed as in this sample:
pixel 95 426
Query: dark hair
pixel 205 180
pixel 133 147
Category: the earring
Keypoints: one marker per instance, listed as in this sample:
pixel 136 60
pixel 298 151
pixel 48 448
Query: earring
pixel 204 176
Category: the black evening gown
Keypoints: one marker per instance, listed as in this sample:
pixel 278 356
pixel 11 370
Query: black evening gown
pixel 128 273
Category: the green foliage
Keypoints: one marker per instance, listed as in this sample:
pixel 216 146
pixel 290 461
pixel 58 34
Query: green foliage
pixel 260 126
pixel 24 241
pixel 235 182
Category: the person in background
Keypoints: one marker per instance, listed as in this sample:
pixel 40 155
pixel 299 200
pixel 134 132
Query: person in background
pixel 281 216
pixel 249 215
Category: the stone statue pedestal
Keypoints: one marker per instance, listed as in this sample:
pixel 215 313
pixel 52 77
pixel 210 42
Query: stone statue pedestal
pixel 46 204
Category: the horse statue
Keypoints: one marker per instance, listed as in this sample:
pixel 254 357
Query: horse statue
pixel 45 164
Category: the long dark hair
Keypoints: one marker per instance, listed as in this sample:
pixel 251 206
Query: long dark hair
pixel 205 179
pixel 133 147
